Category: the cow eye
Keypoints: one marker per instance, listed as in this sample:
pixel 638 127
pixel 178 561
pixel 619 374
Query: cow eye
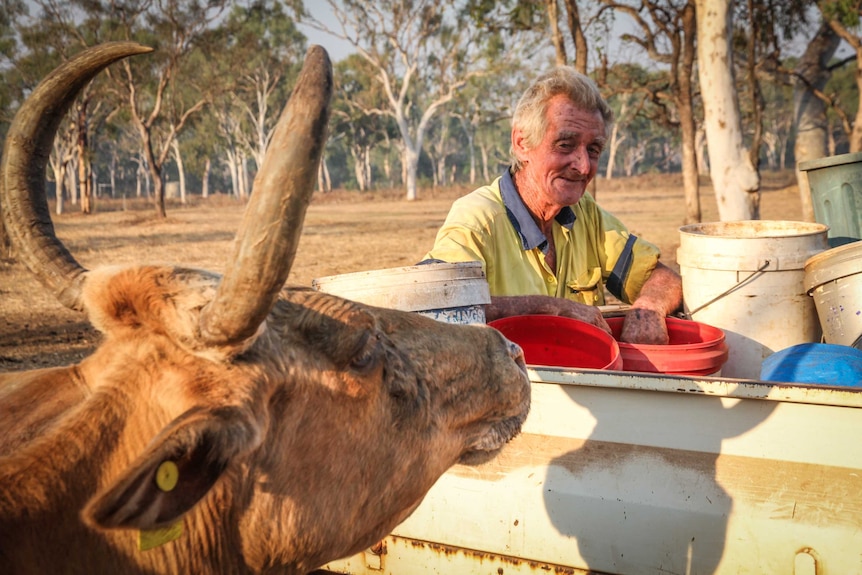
pixel 369 351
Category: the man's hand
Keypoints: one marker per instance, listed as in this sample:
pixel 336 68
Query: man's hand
pixel 506 306
pixel 644 326
pixel 660 296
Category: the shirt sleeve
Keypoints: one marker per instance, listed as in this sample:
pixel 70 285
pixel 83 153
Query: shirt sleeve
pixel 629 260
pixel 465 236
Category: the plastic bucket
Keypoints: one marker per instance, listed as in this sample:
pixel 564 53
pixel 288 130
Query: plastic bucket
pixel 834 279
pixel 555 341
pixel 824 363
pixel 448 292
pixel 694 349
pixel 836 195
pixel 746 278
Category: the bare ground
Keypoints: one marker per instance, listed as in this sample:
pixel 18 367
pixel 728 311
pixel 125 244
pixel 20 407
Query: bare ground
pixel 344 232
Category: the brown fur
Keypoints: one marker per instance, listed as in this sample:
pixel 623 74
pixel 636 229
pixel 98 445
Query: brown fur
pixel 310 443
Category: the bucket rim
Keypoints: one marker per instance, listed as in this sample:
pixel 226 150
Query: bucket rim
pixel 803 229
pixel 474 269
pixel 833 264
pixel 830 161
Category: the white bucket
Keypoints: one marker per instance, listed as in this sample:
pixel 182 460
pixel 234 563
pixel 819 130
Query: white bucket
pixel 834 279
pixel 449 292
pixel 747 279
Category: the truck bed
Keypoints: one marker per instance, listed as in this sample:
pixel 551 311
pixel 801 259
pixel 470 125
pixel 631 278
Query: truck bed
pixel 630 473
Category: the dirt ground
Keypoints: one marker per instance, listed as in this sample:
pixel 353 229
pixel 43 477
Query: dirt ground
pixel 344 232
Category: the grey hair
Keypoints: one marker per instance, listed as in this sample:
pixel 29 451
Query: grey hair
pixel 529 116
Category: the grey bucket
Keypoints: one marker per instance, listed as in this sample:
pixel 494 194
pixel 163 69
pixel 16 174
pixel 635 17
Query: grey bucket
pixel 836 195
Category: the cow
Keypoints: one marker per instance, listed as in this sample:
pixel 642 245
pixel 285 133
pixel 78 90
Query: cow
pixel 227 423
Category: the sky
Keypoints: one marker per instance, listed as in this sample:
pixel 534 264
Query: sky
pixel 620 52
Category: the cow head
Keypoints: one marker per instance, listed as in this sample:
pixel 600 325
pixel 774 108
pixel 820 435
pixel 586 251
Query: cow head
pixel 248 426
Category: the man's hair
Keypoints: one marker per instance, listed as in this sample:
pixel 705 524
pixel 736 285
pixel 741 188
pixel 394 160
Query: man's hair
pixel 529 116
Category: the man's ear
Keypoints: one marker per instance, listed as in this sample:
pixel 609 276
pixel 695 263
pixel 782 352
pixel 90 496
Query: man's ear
pixel 519 143
pixel 177 470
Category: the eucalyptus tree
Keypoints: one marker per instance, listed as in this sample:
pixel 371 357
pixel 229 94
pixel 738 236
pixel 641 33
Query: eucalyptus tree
pixel 734 177
pixel 634 113
pixel 161 91
pixel 423 52
pixel 843 17
pixel 261 51
pixel 46 39
pixel 10 12
pixel 665 30
pixel 359 115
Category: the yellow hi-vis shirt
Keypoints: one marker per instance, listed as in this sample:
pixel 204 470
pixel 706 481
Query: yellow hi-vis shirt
pixel 492 225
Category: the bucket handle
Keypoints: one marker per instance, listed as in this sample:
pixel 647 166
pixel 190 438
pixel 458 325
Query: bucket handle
pixel 731 289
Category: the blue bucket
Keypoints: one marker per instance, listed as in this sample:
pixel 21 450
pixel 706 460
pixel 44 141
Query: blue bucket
pixel 823 363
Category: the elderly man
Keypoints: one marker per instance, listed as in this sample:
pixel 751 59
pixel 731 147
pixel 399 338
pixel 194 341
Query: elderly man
pixel 545 244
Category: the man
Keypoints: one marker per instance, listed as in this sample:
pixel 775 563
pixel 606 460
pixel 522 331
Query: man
pixel 545 245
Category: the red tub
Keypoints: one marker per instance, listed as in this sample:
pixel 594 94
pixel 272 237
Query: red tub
pixel 555 341
pixel 694 349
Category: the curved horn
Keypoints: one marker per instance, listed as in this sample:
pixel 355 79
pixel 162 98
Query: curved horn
pixel 22 172
pixel 269 233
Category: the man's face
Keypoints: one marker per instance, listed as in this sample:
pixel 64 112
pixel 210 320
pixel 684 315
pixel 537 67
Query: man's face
pixel 567 158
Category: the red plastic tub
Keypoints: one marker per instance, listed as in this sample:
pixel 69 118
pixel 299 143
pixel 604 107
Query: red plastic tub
pixel 555 341
pixel 694 349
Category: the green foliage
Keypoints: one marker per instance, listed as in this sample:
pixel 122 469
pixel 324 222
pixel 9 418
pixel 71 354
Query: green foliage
pixel 845 11
pixel 238 60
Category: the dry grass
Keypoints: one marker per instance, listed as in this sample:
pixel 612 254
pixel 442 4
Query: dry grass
pixel 344 232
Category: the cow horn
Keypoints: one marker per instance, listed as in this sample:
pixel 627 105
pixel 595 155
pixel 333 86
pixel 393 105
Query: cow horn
pixel 22 172
pixel 266 242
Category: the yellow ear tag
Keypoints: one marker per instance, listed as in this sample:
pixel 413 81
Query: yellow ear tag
pixel 150 538
pixel 167 475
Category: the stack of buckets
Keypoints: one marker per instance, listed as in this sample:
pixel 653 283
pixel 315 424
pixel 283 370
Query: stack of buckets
pixel 788 295
pixel 458 292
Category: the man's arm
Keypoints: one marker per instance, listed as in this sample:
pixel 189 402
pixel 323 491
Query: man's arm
pixel 506 306
pixel 660 296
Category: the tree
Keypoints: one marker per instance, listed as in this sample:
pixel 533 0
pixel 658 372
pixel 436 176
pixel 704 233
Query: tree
pixel 734 178
pixel 261 48
pixel 10 11
pixel 667 35
pixel 355 115
pixel 422 53
pixel 809 108
pixel 843 19
pixel 178 91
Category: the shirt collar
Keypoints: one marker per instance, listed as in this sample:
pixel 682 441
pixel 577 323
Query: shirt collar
pixel 521 219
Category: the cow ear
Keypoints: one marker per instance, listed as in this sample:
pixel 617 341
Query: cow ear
pixel 176 471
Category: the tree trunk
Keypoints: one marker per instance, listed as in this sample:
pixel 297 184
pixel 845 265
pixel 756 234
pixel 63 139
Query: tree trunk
pixel 411 167
pixel 59 179
pixel 84 161
pixel 809 110
pixel 358 167
pixel 324 184
pixel 205 179
pixel 181 172
pixel 700 151
pixel 615 140
pixel 556 36
pixel 581 49
pixel 72 184
pixel 5 242
pixel 685 104
pixel 734 179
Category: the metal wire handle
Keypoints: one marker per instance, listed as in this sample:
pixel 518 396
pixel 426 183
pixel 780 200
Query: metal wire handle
pixel 730 290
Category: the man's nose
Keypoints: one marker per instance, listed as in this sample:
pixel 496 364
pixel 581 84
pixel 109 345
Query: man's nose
pixel 580 160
